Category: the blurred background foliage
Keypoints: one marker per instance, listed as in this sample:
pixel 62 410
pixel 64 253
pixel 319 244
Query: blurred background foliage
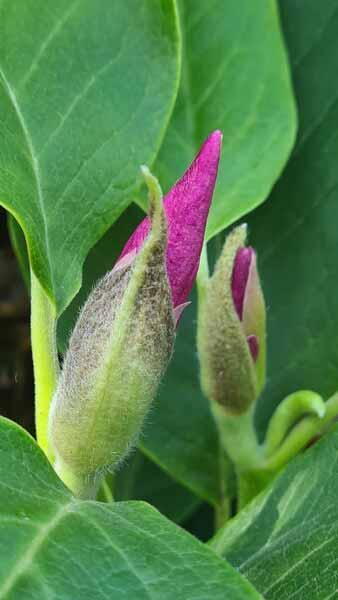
pixel 294 232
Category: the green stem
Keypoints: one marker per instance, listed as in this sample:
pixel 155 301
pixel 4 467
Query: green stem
pixel 256 465
pixel 302 434
pixel 45 359
pixel 239 440
pixel 222 513
pixel 222 510
pixel 238 436
pixel 331 412
pixel 291 409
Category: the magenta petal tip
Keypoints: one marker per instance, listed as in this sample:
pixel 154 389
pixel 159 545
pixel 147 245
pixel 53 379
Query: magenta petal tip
pixel 187 206
pixel 240 274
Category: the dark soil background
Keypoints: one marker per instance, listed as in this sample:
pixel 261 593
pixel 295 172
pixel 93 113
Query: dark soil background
pixel 16 374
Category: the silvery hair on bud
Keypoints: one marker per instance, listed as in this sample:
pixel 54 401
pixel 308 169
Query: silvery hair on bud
pixel 118 352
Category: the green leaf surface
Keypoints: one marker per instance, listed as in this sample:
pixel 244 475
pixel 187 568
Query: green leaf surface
pixel 295 232
pixel 54 546
pixel 235 78
pixel 286 540
pixel 86 92
pixel 19 247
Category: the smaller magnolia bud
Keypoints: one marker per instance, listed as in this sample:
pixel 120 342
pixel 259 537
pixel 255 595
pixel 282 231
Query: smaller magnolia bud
pixel 118 352
pixel 231 329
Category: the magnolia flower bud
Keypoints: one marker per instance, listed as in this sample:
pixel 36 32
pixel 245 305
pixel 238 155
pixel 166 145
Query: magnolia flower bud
pixel 231 336
pixel 118 352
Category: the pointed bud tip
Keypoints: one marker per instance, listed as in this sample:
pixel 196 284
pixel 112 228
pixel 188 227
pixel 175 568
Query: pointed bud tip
pixel 155 206
pixel 216 136
pixel 211 149
pixel 144 170
pixel 243 228
pixel 154 188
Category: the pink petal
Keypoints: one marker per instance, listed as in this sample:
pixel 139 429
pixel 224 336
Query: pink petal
pixel 253 346
pixel 186 205
pixel 240 274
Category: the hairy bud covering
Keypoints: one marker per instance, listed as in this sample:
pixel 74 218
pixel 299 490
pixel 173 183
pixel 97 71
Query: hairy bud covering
pixel 231 329
pixel 118 352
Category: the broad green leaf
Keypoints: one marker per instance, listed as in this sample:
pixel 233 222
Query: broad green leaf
pixel 86 90
pixel 296 232
pixel 54 546
pixel 141 479
pixel 235 77
pixel 286 540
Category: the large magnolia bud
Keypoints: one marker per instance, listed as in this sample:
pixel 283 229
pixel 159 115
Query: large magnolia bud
pixel 118 352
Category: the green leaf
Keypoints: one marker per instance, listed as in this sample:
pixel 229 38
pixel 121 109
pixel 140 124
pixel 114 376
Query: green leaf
pixel 141 479
pixel 86 92
pixel 295 232
pixel 19 246
pixel 53 545
pixel 286 540
pixel 235 77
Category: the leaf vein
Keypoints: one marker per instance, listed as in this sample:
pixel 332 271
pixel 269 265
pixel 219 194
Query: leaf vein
pixel 48 40
pixel 21 566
